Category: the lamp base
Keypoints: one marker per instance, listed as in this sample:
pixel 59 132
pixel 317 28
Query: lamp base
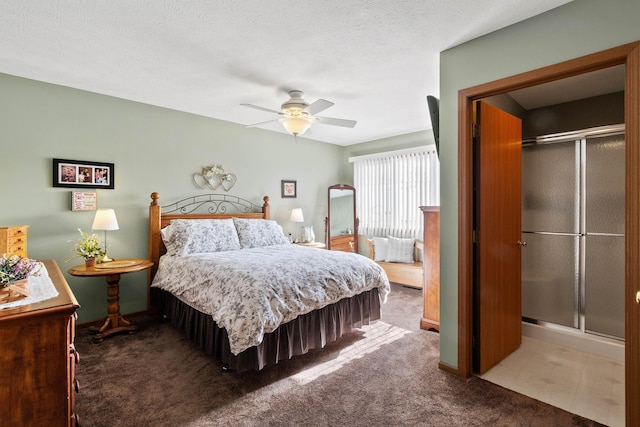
pixel 106 258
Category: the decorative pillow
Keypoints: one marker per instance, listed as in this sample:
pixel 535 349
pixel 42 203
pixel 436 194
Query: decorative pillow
pixel 259 232
pixel 190 236
pixel 380 248
pixel 400 250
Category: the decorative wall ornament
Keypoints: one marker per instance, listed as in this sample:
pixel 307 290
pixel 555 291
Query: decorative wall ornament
pixel 214 176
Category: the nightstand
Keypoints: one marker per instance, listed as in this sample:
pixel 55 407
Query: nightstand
pixel 318 245
pixel 114 322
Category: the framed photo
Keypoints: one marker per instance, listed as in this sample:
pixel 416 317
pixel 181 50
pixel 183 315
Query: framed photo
pixel 289 189
pixel 82 174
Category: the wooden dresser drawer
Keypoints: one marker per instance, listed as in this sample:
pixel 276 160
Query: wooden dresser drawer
pixel 13 240
pixel 345 243
pixel 18 231
pixel 74 359
pixel 345 247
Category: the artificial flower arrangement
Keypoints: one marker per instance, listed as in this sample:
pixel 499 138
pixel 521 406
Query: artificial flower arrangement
pixel 209 172
pixel 14 268
pixel 87 246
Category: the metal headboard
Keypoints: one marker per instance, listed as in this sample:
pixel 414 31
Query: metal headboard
pixel 212 204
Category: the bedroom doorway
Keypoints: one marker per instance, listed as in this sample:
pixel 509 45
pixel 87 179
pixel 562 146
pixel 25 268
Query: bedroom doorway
pixel 628 55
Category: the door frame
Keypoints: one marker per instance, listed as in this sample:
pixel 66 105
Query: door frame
pixel 628 55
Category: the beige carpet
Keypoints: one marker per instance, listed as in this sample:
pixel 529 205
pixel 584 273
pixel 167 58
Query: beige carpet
pixel 383 375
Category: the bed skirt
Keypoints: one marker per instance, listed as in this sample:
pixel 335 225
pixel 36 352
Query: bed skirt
pixel 307 332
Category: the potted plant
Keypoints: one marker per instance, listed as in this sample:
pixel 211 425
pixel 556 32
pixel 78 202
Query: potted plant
pixel 87 247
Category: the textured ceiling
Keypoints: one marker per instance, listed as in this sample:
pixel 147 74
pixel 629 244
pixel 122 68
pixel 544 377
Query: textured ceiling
pixel 377 60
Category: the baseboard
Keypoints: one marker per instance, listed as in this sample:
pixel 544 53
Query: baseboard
pixel 593 344
pixel 450 369
pixel 429 325
pixel 127 316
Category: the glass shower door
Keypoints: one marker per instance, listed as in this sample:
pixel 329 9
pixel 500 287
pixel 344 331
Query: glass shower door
pixel 604 225
pixel 550 278
pixel 550 224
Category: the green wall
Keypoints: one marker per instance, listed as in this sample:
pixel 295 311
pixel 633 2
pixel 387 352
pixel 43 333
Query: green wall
pixel 570 31
pixel 153 149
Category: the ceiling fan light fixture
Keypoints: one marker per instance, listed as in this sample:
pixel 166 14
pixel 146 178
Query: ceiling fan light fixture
pixel 295 125
pixel 297 115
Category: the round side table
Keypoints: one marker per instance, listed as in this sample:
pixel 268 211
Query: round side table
pixel 114 323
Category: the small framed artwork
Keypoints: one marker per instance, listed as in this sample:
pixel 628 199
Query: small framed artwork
pixel 82 174
pixel 84 200
pixel 289 188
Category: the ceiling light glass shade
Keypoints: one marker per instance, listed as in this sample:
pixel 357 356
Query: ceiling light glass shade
pixel 105 219
pixel 295 125
pixel 296 215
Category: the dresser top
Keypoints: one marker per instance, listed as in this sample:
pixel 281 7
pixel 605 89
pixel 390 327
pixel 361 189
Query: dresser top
pixel 65 301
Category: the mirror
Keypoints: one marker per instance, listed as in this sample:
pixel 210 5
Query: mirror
pixel 341 223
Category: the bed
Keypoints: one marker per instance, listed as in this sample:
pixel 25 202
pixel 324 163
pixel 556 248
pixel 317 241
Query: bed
pixel 227 276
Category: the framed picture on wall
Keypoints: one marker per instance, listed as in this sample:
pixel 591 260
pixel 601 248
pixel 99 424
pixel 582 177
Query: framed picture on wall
pixel 84 201
pixel 289 188
pixel 82 174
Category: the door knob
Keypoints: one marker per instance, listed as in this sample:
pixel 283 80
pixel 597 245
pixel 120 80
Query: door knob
pixel 638 297
pixel 522 243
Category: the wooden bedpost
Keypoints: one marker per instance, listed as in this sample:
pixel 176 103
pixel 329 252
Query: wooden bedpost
pixel 266 209
pixel 154 241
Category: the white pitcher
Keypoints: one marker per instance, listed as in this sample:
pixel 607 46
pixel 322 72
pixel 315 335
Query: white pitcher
pixel 307 234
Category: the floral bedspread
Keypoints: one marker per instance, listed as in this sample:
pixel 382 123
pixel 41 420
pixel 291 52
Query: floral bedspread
pixel 251 292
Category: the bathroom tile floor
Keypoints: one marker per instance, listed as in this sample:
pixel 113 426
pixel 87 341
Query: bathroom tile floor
pixel 581 383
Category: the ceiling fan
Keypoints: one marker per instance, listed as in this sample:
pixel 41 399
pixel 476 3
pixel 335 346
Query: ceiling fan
pixel 298 115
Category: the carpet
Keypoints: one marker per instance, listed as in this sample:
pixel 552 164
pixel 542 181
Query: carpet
pixel 385 374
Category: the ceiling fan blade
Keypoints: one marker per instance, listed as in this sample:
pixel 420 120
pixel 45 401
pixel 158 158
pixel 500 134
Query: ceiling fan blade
pixel 262 108
pixel 318 106
pixel 336 122
pixel 261 123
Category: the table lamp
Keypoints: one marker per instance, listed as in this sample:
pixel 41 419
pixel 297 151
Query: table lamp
pixel 105 220
pixel 296 216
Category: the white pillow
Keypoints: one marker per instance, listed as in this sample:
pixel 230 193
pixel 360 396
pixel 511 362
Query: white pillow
pixel 380 249
pixel 254 233
pixel 400 250
pixel 190 236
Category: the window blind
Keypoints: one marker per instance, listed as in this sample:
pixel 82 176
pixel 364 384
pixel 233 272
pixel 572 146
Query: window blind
pixel 391 187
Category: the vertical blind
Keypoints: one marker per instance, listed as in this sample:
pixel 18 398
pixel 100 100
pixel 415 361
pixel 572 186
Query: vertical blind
pixel 391 187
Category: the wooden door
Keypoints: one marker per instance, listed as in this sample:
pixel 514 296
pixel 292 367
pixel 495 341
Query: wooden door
pixel 497 230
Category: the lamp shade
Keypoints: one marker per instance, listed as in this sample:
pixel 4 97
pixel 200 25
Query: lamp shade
pixel 296 215
pixel 295 125
pixel 105 219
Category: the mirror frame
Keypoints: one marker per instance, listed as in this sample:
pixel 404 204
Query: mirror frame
pixel 327 220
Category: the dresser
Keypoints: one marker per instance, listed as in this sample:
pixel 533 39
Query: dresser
pixel 38 359
pixel 344 242
pixel 431 265
pixel 13 240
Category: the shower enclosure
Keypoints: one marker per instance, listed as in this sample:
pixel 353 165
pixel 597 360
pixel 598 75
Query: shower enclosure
pixel 573 195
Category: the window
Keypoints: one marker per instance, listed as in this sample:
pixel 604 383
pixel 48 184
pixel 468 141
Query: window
pixel 392 186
